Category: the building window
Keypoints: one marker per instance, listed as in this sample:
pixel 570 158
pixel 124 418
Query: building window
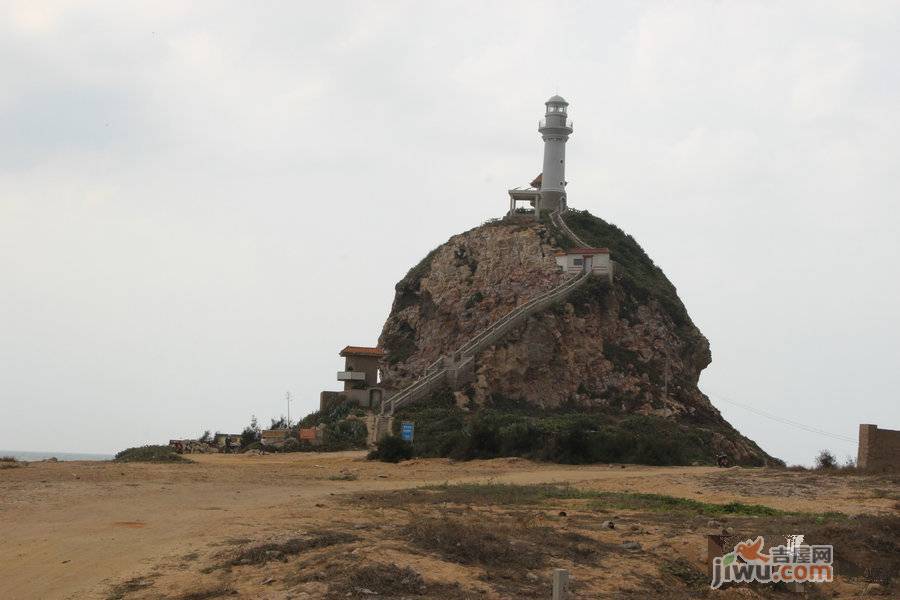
pixel 578 262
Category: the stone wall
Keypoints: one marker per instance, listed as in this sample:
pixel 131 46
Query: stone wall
pixel 879 449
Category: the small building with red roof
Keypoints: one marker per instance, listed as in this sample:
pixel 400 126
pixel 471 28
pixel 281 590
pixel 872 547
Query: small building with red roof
pixel 361 377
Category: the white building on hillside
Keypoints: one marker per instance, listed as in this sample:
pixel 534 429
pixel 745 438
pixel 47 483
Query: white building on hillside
pixel 575 260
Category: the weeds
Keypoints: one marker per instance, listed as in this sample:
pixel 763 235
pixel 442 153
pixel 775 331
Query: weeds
pixel 218 592
pixel 120 590
pixel 659 502
pixel 280 551
pixel 506 494
pixel 380 580
pixel 685 571
pixel 10 462
pixel 498 542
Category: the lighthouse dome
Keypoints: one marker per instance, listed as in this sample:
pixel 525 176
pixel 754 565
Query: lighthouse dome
pixel 556 100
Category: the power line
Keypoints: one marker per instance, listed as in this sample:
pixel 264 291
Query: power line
pixel 786 421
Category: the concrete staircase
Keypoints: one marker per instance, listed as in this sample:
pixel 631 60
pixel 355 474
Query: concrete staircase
pixel 458 368
pixel 556 217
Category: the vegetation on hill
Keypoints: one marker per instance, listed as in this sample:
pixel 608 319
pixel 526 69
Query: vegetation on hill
pixel 566 435
pixel 155 454
pixel 636 271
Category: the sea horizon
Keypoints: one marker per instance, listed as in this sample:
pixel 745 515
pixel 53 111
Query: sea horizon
pixel 33 455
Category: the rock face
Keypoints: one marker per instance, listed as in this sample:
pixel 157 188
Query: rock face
pixel 627 347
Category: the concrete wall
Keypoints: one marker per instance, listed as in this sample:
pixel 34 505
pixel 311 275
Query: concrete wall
pixel 879 449
pixel 598 263
pixel 365 364
pixel 367 397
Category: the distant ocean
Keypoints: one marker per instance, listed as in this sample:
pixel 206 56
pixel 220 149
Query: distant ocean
pixel 20 455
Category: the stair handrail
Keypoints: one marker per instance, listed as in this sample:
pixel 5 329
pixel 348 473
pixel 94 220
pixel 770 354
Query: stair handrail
pixel 471 346
pixel 557 217
pixel 513 314
pixel 437 368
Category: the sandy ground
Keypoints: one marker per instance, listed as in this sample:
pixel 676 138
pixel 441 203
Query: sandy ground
pixel 76 529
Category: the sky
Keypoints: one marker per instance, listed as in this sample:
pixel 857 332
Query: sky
pixel 202 203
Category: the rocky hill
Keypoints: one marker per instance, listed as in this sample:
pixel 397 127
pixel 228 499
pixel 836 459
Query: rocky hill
pixel 624 357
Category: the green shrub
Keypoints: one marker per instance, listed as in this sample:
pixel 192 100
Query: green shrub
pixel 826 460
pixel 563 436
pixel 392 449
pixel 474 299
pixel 157 454
pixel 344 435
pixel 636 271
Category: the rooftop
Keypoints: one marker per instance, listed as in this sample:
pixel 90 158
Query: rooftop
pixel 584 251
pixel 362 351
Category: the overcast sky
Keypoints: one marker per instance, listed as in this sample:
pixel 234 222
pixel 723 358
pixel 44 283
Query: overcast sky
pixel 202 203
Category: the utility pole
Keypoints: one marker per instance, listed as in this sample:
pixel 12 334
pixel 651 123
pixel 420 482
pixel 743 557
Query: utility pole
pixel 287 397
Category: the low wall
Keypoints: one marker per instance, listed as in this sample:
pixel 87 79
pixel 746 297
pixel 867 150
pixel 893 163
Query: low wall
pixel 879 449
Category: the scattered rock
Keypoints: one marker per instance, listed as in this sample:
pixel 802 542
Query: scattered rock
pixel 728 530
pixel 268 580
pixel 607 525
pixel 319 505
pixel 631 546
pixel 531 576
pixel 713 524
pixel 366 591
pixel 635 527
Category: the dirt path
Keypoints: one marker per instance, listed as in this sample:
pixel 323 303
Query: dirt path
pixel 70 530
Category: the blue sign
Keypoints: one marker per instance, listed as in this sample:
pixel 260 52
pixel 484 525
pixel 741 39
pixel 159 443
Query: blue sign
pixel 406 431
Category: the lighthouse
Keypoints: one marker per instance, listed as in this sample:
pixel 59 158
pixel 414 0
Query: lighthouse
pixel 555 129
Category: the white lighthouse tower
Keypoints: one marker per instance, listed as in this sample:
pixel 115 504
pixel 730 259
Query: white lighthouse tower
pixel 555 129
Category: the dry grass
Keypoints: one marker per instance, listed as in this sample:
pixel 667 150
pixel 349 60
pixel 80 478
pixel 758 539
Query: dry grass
pixel 217 592
pixel 120 590
pixel 866 546
pixel 498 541
pixel 280 551
pixel 10 462
pixel 379 580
